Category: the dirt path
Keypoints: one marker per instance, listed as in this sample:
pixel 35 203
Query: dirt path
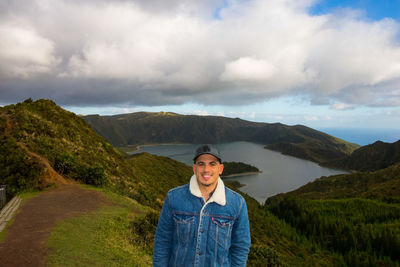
pixel 49 175
pixel 25 244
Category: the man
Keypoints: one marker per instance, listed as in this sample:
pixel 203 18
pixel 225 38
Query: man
pixel 203 223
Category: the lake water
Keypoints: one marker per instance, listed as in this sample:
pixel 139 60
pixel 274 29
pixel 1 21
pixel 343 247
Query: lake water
pixel 280 173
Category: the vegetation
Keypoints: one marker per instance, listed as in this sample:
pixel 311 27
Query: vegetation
pixel 101 238
pixel 356 216
pixel 342 220
pixel 157 175
pixel 18 171
pixel 383 185
pixel 276 243
pixel 231 168
pixel 365 232
pixel 75 151
pixel 143 231
pixel 376 156
pixel 164 127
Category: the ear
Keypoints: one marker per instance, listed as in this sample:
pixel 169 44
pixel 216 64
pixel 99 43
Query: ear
pixel 221 168
pixel 194 168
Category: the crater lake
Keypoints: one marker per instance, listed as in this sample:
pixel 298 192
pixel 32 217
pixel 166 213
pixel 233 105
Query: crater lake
pixel 279 173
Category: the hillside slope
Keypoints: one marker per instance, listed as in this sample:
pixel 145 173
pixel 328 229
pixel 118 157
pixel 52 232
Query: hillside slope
pixel 382 184
pixel 376 156
pixel 356 215
pixel 32 133
pixel 154 128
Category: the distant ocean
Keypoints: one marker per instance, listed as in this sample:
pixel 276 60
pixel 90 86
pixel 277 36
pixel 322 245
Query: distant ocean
pixel 364 136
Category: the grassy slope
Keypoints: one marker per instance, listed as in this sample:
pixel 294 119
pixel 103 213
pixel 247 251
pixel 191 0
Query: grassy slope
pixel 70 146
pixel 100 238
pixel 106 238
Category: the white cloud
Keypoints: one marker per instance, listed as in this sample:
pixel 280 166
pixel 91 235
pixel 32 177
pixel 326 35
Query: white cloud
pixel 342 106
pixel 208 52
pixel 248 69
pixel 23 52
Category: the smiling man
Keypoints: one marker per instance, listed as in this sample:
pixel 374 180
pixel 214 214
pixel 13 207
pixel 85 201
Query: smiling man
pixel 203 223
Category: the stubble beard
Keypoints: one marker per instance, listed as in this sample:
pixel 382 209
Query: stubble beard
pixel 207 185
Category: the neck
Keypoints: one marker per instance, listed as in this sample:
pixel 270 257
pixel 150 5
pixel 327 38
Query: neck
pixel 206 191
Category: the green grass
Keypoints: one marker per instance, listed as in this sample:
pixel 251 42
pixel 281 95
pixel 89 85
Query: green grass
pixel 100 238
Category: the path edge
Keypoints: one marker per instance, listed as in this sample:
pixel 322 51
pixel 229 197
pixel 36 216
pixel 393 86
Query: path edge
pixel 8 211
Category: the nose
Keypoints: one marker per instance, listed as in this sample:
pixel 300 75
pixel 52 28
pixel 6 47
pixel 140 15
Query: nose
pixel 207 167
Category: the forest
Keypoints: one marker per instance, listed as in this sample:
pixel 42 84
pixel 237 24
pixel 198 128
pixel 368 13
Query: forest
pixel 365 232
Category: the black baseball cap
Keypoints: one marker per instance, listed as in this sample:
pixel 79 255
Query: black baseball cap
pixel 207 149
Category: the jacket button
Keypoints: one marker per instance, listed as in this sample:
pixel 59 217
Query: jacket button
pixel 200 253
pixel 201 231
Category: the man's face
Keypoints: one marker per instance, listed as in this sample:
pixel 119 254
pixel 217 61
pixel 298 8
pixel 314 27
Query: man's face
pixel 207 169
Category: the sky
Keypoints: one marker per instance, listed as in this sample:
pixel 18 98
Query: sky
pixel 320 63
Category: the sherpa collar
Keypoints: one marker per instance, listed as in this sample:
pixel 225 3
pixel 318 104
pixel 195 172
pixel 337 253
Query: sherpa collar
pixel 218 196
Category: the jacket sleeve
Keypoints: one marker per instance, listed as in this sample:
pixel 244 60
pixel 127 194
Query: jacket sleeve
pixel 163 237
pixel 240 242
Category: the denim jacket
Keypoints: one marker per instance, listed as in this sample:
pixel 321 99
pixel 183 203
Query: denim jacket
pixel 192 232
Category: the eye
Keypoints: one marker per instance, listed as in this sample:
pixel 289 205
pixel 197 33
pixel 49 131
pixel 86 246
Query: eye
pixel 200 163
pixel 213 163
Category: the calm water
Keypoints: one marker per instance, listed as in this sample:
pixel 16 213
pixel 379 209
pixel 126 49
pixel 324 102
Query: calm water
pixel 280 173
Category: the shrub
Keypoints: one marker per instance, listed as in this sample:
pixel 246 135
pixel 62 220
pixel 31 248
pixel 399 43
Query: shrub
pixel 143 230
pixel 92 175
pixel 17 170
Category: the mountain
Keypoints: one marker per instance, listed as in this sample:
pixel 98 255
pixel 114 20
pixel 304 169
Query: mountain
pixel 42 144
pixel 165 127
pixel 378 155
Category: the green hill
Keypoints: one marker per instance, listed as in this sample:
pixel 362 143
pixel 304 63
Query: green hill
pixel 164 127
pixel 383 185
pixel 42 144
pixel 378 155
pixel 356 215
pixel 233 168
pixel 40 137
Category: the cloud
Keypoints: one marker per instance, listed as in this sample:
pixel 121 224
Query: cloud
pixel 248 69
pixel 23 52
pixel 342 106
pixel 207 52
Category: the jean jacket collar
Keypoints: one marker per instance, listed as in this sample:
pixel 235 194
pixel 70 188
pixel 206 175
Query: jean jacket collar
pixel 219 193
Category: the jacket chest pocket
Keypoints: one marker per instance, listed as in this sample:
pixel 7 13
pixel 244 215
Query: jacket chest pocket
pixel 221 230
pixel 184 226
